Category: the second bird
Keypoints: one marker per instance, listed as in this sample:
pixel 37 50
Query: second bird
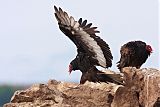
pixel 134 54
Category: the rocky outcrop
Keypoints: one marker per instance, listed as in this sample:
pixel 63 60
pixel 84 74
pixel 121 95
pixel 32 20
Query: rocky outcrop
pixel 62 94
pixel 142 89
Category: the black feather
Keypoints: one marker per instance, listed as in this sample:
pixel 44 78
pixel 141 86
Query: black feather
pixel 133 54
pixel 80 21
pixel 83 23
pixel 88 56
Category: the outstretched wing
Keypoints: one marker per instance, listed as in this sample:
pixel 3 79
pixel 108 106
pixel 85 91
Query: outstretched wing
pixel 83 35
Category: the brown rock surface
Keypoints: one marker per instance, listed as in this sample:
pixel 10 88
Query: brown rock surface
pixel 63 94
pixel 142 89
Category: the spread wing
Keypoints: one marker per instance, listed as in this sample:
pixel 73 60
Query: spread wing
pixel 84 37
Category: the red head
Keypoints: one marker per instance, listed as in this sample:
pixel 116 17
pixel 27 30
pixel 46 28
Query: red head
pixel 149 48
pixel 70 68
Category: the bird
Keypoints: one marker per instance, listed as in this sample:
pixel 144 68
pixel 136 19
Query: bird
pixel 92 51
pixel 134 54
pixel 91 73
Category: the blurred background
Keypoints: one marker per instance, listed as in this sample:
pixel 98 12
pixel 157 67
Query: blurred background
pixel 34 50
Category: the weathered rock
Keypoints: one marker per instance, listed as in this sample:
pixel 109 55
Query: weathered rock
pixel 62 94
pixel 142 88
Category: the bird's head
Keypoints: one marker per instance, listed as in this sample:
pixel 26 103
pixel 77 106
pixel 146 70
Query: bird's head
pixel 73 66
pixel 149 48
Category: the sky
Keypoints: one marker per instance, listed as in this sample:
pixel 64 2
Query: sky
pixel 34 50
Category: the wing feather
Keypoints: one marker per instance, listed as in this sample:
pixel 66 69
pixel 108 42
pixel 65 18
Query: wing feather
pixel 72 21
pixel 80 21
pixel 67 18
pixel 83 35
pixel 83 23
pixel 76 25
pixel 87 26
pixel 127 56
pixel 133 54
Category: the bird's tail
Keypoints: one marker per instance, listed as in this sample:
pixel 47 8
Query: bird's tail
pixel 113 78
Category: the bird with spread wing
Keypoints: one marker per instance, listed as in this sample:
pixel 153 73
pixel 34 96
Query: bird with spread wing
pixel 92 51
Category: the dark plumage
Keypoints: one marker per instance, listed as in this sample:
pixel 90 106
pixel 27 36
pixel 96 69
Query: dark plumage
pixel 134 54
pixel 90 47
pixel 90 72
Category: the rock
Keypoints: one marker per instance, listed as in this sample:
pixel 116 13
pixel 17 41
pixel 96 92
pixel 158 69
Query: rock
pixel 142 88
pixel 63 94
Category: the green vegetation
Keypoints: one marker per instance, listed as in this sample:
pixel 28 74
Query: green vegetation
pixel 6 92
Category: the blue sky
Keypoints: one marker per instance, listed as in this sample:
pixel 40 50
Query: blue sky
pixel 34 50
